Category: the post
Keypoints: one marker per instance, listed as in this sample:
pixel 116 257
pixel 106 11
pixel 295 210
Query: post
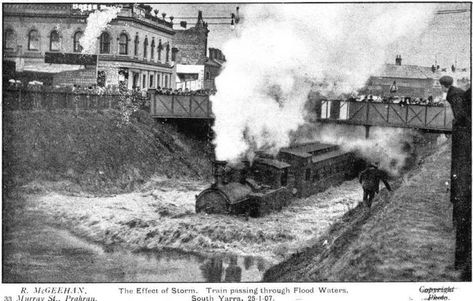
pixel 367 131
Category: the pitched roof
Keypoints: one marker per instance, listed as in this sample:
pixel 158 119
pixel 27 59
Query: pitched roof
pixel 406 71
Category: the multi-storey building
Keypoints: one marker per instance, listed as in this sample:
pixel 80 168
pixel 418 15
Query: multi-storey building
pixel 194 69
pixel 134 50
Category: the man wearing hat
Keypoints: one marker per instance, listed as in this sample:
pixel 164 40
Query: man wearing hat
pixel 460 192
pixel 369 179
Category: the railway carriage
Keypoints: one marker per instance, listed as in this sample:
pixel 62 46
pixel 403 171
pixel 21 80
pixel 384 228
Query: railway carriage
pixel 270 182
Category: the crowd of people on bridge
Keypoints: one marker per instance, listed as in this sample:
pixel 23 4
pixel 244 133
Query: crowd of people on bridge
pixel 185 92
pixel 402 100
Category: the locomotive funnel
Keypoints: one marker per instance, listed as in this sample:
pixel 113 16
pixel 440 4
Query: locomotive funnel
pixel 218 171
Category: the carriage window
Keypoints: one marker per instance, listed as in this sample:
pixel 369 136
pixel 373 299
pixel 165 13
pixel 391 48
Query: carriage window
pixel 307 174
pixel 315 177
pixel 284 178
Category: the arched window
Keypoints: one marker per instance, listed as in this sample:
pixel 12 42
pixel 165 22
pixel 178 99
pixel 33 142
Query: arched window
pixel 123 44
pixel 160 48
pixel 9 39
pixel 167 53
pixel 54 42
pixel 33 40
pixel 137 42
pixel 77 36
pixel 104 43
pixel 145 48
pixel 152 49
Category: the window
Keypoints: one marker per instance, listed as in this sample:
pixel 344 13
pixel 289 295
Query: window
pixel 33 40
pixel 152 49
pixel 145 48
pixel 307 174
pixel 151 78
pixel 167 53
pixel 158 80
pixel 174 52
pixel 137 42
pixel 123 44
pixel 9 39
pixel 160 48
pixel 136 80
pixel 105 43
pixel 144 81
pixel 284 177
pixel 77 36
pixel 54 43
pixel 165 81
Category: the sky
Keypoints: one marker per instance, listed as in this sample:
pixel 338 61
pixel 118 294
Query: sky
pixel 446 39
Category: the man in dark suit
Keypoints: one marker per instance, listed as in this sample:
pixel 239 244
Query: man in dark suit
pixel 369 179
pixel 460 192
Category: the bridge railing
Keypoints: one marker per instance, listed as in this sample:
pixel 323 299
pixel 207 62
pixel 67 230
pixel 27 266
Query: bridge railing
pixel 180 106
pixel 382 114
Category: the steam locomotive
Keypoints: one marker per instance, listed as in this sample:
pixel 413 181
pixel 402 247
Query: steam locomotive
pixel 270 182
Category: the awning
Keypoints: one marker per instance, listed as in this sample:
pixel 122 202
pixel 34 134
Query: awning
pixel 183 77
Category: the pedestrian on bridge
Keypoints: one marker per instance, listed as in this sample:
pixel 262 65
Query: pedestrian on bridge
pixel 460 174
pixel 369 180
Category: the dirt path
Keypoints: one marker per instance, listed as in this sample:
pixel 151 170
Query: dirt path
pixel 407 236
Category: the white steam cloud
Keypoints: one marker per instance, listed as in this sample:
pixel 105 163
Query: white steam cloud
pixel 96 23
pixel 284 50
pixel 391 147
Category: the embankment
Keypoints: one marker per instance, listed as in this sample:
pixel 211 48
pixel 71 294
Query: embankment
pixel 97 151
pixel 407 236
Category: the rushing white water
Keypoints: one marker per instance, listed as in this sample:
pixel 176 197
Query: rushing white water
pixel 285 51
pixel 96 23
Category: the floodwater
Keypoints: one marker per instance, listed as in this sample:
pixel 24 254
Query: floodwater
pixel 36 252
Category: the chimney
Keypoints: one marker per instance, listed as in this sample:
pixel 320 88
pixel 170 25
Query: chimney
pixel 398 60
pixel 200 20
pixel 218 172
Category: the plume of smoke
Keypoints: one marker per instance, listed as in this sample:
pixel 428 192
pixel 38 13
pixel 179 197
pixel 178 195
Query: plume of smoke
pixel 282 50
pixel 391 147
pixel 96 23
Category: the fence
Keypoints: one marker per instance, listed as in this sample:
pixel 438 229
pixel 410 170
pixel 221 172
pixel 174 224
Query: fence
pixel 27 99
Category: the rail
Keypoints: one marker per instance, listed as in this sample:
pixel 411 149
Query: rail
pixel 30 99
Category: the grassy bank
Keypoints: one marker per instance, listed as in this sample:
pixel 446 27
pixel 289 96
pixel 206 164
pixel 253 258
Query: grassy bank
pixel 407 236
pixel 96 151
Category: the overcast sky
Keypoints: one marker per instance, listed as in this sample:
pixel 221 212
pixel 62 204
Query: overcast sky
pixel 447 38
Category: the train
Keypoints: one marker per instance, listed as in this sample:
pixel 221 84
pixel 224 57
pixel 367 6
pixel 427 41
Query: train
pixel 270 182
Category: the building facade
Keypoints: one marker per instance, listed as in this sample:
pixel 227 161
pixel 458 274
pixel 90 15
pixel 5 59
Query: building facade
pixel 135 50
pixel 197 65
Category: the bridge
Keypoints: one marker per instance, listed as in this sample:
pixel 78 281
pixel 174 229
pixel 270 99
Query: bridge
pixel 428 118
pixel 423 117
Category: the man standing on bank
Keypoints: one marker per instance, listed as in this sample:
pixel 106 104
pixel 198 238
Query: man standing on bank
pixel 369 179
pixel 460 175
